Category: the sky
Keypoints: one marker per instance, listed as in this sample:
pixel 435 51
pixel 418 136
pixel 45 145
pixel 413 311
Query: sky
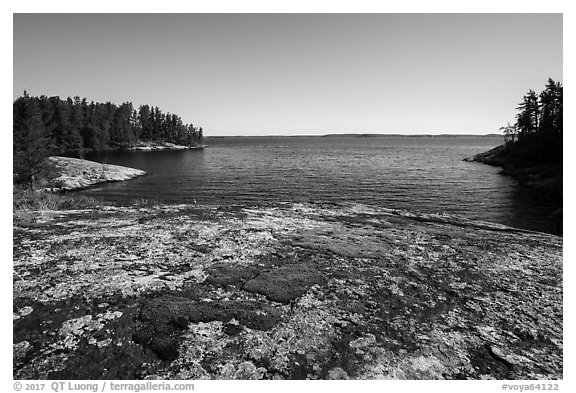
pixel 296 74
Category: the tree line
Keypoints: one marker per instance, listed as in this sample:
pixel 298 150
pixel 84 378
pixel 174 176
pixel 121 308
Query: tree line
pixel 44 126
pixel 536 137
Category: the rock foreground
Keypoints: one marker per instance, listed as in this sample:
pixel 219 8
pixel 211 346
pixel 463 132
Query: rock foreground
pixel 284 292
pixel 66 173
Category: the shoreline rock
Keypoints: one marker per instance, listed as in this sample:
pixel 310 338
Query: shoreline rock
pixel 537 176
pixel 152 146
pixel 544 180
pixel 494 157
pixel 66 173
pixel 298 291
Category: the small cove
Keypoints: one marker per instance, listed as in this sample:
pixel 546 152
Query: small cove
pixel 421 174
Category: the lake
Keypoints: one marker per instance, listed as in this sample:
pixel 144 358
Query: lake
pixel 422 174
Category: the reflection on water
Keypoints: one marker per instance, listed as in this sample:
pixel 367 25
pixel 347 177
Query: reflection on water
pixel 422 174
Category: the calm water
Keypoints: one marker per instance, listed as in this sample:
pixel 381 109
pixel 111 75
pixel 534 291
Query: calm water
pixel 417 173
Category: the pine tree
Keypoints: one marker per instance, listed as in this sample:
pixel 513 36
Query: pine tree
pixel 30 142
pixel 527 119
pixel 548 108
pixel 539 126
pixel 72 126
pixel 144 117
pixel 136 126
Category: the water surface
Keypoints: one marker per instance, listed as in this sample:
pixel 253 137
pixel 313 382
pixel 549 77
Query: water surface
pixel 424 174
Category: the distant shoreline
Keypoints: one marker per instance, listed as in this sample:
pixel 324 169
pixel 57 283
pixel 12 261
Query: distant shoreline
pixel 151 146
pixel 360 135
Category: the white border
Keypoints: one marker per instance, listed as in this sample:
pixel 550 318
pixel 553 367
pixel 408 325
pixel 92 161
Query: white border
pixel 297 6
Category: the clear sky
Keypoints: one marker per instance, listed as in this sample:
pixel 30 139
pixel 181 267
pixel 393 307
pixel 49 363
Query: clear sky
pixel 264 74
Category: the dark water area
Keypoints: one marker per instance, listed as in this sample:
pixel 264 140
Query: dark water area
pixel 422 174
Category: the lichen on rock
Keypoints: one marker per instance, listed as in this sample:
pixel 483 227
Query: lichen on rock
pixel 303 291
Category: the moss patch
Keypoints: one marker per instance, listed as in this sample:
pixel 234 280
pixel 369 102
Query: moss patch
pixel 229 274
pixel 285 283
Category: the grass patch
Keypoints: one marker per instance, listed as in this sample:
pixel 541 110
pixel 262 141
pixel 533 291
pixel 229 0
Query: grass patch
pixel 29 205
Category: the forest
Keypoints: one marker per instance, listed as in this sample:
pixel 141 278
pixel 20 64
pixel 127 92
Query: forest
pixel 44 126
pixel 536 137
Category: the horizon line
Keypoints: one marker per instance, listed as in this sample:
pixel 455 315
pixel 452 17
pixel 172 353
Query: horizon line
pixel 362 134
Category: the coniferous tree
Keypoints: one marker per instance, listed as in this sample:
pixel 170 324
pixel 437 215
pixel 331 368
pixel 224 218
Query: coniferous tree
pixel 527 119
pixel 200 136
pixel 144 116
pixel 547 109
pixel 30 145
pixel 539 126
pixel 558 114
pixel 72 126
pixel 191 137
pixel 135 125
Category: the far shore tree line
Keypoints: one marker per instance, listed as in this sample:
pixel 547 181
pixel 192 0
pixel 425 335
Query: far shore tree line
pixel 536 137
pixel 44 126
